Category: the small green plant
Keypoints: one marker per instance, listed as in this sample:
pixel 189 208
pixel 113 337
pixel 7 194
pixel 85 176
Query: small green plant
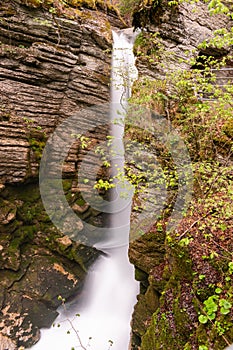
pixel 203 319
pixel 225 306
pixel 84 141
pixel 203 347
pixel 201 277
pixel 230 267
pixel 185 241
pixel 103 185
pixel 210 308
pixel 214 311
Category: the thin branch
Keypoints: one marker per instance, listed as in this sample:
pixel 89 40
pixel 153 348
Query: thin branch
pixel 72 326
pixel 193 224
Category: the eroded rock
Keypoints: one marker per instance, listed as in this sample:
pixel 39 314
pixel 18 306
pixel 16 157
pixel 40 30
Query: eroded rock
pixel 6 343
pixel 51 67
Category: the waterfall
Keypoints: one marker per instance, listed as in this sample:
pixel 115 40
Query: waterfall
pixel 110 289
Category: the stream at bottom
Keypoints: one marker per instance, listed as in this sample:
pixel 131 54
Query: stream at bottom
pixel 105 308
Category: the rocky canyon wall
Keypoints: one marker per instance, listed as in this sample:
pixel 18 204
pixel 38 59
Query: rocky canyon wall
pixel 182 28
pixel 176 279
pixel 53 63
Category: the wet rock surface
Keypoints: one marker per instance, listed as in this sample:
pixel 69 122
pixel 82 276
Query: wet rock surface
pixel 37 264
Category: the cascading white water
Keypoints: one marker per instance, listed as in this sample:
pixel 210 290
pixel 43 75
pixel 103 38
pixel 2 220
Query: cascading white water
pixel 110 289
pixel 105 313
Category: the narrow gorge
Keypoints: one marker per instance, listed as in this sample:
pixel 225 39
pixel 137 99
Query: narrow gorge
pixel 176 154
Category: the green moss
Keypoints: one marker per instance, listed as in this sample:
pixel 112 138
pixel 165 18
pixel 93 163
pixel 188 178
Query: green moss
pixel 182 263
pixel 31 215
pixel 27 213
pixel 228 128
pixel 170 323
pixel 62 7
pixel 181 318
pixel 26 233
pixel 159 334
pixel 37 146
pixel 66 183
pixel 80 201
pixel 27 192
pixel 140 275
pixel 72 255
pixel 152 299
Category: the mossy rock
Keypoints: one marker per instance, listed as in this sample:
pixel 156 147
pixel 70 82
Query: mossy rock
pixel 228 128
pixel 58 5
pixel 7 211
pixel 141 275
pixel 170 325
pixel 147 250
pixel 159 338
pixel 28 192
pixel 180 261
pixel 142 315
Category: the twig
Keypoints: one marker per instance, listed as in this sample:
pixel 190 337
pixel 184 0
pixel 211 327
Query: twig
pixel 71 324
pixel 193 224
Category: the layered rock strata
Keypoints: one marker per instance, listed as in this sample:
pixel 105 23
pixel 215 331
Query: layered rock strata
pixel 182 28
pixel 52 66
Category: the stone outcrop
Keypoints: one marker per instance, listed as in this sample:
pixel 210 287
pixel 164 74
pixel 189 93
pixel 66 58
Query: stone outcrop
pixel 37 264
pixel 52 66
pixel 182 29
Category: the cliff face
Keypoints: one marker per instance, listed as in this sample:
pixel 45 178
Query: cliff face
pixel 52 65
pixel 182 28
pixel 185 271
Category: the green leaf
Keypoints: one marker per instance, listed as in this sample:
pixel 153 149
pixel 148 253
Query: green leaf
pixel 201 277
pixel 202 347
pixel 225 303
pixel 212 316
pixel 230 266
pixel 224 311
pixel 218 290
pixel 203 319
pixel 210 305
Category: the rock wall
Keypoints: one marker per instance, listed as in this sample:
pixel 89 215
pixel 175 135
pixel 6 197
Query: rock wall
pixel 50 68
pixel 177 278
pixel 52 65
pixel 182 28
